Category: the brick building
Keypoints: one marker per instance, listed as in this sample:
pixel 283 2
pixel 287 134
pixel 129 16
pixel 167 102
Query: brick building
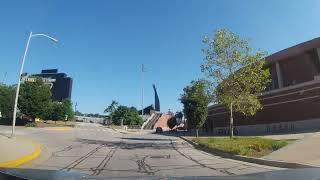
pixel 290 103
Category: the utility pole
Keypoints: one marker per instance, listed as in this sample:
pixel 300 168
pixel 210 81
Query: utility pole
pixel 143 70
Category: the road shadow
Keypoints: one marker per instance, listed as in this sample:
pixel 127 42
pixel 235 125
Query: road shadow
pixel 8 122
pixel 22 174
pixel 130 145
pixel 175 133
pixel 146 139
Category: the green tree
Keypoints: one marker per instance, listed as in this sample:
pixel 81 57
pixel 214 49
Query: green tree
pixel 6 100
pixel 67 107
pixel 195 100
pixel 237 75
pixel 111 109
pixel 34 99
pixel 57 111
pixel 179 115
pixel 129 115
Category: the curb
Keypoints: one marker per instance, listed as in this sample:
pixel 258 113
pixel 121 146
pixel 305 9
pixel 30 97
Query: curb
pixel 23 159
pixel 124 131
pixel 261 161
pixel 118 131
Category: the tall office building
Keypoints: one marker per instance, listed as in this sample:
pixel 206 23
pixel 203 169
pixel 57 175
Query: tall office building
pixel 61 83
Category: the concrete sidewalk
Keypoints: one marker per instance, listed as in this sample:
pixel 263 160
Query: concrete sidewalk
pixel 295 136
pixel 16 151
pixel 131 131
pixel 304 151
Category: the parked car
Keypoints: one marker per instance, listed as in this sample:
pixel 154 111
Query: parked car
pixel 159 130
pixel 181 128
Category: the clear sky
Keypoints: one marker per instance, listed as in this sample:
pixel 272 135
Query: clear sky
pixel 104 42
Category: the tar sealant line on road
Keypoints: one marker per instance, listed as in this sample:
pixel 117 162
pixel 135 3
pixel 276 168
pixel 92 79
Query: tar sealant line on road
pixel 104 162
pixel 100 167
pixel 224 171
pixel 82 158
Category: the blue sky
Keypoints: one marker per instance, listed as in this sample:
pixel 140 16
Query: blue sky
pixel 103 43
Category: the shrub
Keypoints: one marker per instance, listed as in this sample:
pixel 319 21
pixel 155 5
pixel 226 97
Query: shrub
pixel 31 124
pixel 247 146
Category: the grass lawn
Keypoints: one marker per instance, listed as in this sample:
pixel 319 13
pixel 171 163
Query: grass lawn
pixel 50 123
pixel 246 146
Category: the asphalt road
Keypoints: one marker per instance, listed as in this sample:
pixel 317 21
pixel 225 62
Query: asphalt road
pixel 96 150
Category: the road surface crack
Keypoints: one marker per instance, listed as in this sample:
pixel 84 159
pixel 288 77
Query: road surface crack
pixel 82 158
pixel 222 170
pixel 68 148
pixel 144 167
pixel 104 162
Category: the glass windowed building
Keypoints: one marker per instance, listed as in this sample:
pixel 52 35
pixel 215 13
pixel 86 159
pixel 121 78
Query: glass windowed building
pixel 61 83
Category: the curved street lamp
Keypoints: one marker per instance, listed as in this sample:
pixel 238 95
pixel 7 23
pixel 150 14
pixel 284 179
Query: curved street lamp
pixel 20 73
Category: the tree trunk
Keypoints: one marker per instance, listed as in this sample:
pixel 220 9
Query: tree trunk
pixel 231 122
pixel 197 132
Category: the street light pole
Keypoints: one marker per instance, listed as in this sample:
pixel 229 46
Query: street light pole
pixel 142 71
pixel 19 77
pixel 18 85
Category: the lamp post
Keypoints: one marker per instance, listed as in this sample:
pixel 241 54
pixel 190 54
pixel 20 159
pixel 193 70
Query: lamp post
pixel 19 77
pixel 143 70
